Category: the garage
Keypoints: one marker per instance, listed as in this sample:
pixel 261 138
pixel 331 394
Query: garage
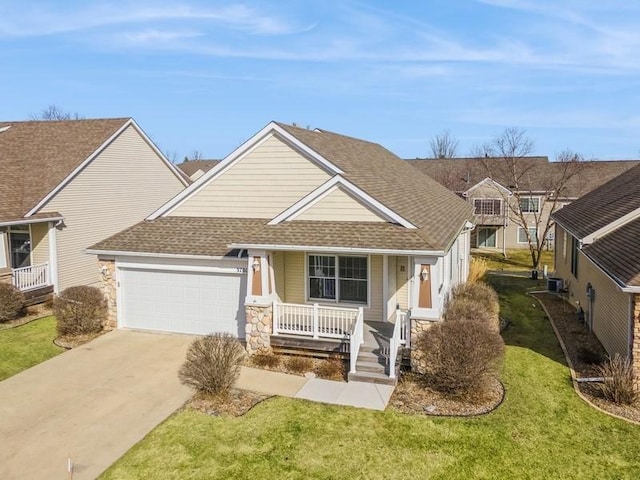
pixel 183 301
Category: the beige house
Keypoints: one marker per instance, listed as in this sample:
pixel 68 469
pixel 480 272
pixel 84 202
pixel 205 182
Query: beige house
pixel 508 215
pixel 64 185
pixel 298 238
pixel 598 262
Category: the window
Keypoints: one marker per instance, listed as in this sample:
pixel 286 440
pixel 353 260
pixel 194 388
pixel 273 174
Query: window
pixel 575 246
pixel 338 278
pixel 487 206
pixel 522 235
pixel 530 205
pixel 4 261
pixel 20 246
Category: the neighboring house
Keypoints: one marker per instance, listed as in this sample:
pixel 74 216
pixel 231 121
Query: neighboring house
pixel 497 226
pixel 296 238
pixel 194 169
pixel 64 185
pixel 598 260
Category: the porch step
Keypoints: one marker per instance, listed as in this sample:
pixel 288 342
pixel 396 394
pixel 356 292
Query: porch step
pixel 370 366
pixel 371 377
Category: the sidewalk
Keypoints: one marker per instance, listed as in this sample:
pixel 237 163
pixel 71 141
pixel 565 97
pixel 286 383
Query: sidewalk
pixel 352 394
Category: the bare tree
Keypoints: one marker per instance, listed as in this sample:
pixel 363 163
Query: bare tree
pixel 53 112
pixel 443 145
pixel 534 188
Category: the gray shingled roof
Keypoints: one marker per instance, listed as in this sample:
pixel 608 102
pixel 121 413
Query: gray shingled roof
pixel 198 236
pixel 439 213
pixel 618 253
pixel 600 207
pixel 365 235
pixel 35 156
pixel 460 174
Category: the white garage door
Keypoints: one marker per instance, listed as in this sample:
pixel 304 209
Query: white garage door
pixel 184 302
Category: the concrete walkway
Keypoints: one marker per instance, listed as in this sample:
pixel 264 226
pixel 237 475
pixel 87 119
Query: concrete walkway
pixel 352 394
pixel 92 403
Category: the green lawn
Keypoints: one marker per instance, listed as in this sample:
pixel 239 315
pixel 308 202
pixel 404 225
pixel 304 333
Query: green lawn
pixel 516 259
pixel 26 346
pixel 543 430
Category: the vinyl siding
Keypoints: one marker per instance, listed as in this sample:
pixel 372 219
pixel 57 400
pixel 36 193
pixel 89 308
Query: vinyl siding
pixel 279 274
pixel 339 206
pixel 402 282
pixel 121 186
pixel 294 277
pixel 610 306
pixel 375 312
pixel 610 310
pixel 39 243
pixel 262 184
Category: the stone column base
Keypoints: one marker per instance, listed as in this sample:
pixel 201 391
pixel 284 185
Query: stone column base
pixel 417 327
pixel 259 327
pixel 108 269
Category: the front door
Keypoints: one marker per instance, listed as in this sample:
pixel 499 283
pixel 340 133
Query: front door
pixel 487 237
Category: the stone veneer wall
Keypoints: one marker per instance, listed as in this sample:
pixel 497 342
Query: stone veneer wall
pixel 108 267
pixel 635 352
pixel 259 327
pixel 417 327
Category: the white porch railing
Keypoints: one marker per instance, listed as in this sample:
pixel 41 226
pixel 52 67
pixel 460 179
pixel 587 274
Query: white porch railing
pixel 400 330
pixel 28 278
pixel 356 339
pixel 315 320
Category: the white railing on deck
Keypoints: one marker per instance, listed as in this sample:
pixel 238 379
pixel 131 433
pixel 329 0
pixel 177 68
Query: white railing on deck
pixel 313 320
pixel 28 278
pixel 356 339
pixel 400 329
pixel 405 328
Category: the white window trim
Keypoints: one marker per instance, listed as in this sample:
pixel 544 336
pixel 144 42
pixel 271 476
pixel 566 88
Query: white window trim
pixel 529 198
pixel 488 214
pixel 526 241
pixel 336 301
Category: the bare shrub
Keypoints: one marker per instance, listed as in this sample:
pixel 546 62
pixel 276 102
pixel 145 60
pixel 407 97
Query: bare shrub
pixel 478 268
pixel 11 302
pixel 299 364
pixel 481 293
pixel 331 368
pixel 266 358
pixel 469 309
pixel 213 363
pixel 80 310
pixel 460 357
pixel 619 385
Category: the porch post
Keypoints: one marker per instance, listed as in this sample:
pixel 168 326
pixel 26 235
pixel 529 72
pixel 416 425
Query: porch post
pixel 385 287
pixel 53 257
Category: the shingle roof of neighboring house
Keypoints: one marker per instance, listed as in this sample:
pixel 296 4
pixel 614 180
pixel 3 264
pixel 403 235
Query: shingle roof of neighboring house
pixel 192 166
pixel 460 174
pixel 434 209
pixel 203 236
pixel 600 207
pixel 618 253
pixel 35 156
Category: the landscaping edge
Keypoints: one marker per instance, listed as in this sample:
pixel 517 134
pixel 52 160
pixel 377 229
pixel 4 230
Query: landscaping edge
pixel 574 378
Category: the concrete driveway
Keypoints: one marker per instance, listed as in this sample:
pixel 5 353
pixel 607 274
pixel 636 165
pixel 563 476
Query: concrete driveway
pixel 91 403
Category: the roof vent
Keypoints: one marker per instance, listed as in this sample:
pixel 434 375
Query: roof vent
pixel 4 129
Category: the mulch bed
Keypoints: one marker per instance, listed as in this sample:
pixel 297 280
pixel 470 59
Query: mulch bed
pixel 583 348
pixel 315 367
pixel 234 404
pixel 414 397
pixel 73 341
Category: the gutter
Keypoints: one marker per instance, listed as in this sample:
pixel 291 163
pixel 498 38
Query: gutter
pixel 29 221
pixel 306 248
pixel 116 253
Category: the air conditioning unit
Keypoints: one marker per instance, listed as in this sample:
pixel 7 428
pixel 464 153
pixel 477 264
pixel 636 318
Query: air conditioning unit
pixel 554 284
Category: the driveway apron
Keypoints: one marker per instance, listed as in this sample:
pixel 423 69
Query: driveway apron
pixel 90 404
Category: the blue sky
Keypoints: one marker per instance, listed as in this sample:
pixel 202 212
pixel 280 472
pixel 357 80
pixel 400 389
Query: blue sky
pixel 205 76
